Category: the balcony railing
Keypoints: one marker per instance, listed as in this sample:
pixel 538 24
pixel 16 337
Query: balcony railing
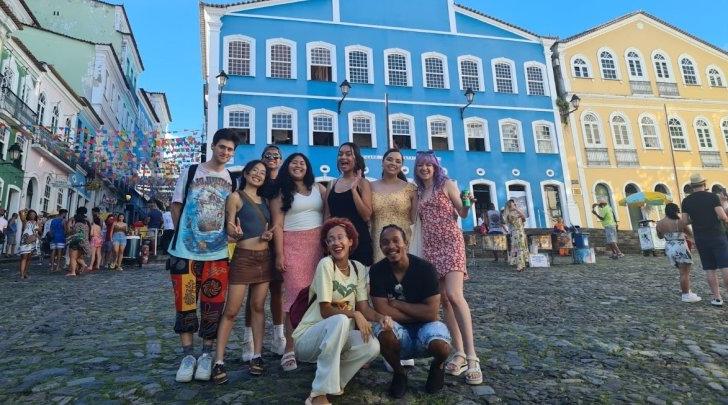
pixel 667 89
pixel 60 149
pixel 16 107
pixel 640 87
pixel 711 158
pixel 626 157
pixel 597 157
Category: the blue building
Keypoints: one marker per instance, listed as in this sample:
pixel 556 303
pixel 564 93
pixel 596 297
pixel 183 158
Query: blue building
pixel 409 64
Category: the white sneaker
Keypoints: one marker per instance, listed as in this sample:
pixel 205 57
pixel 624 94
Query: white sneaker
pixel 691 297
pixel 186 369
pixel 204 367
pixel 248 348
pixel 716 302
pixel 277 345
pixel 404 363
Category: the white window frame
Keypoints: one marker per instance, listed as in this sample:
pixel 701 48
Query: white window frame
pixel 486 134
pixel 668 62
pixel 294 57
pixel 512 64
pixel 5 133
pixel 445 69
pixel 41 109
pixel 448 124
pixel 657 131
pixel 401 116
pixel 294 122
pixel 709 127
pixel 599 126
pixel 408 65
pixel 334 124
pixel 641 59
pixel 372 121
pixel 685 136
pixel 628 126
pixel 481 77
pixel 695 69
pixel 586 60
pixel 240 107
pixel 552 129
pixel 614 59
pixel 226 52
pixel 370 61
pixel 544 78
pixel 519 127
pixel 724 131
pixel 2 197
pixel 720 74
pixel 332 50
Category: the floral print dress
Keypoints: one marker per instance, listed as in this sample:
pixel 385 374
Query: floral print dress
pixel 442 240
pixel 676 248
pixel 519 247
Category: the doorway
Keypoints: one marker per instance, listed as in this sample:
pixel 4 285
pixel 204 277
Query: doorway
pixel 483 197
pixel 553 207
pixel 635 213
pixel 519 194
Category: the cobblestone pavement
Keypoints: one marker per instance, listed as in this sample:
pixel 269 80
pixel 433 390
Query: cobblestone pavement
pixel 611 332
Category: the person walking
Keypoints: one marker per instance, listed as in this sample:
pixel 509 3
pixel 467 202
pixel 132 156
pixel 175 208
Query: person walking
pixel 168 232
pixel 11 235
pixel 518 253
pixel 97 241
pixel 78 243
pixel 703 210
pixel 57 231
pixel 120 229
pixel 605 214
pixel 28 240
pixel 3 229
pixel 108 247
pixel 675 230
pixel 155 222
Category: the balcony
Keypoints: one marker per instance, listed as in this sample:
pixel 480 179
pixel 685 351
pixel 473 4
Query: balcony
pixel 711 158
pixel 16 107
pixel 55 149
pixel 641 87
pixel 626 157
pixel 667 89
pixel 597 157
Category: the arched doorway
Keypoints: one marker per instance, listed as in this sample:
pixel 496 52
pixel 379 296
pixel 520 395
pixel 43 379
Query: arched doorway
pixel 661 188
pixel 520 192
pixel 552 204
pixel 30 194
pixel 635 213
pixel 484 197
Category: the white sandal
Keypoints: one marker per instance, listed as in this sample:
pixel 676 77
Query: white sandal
pixel 452 368
pixel 288 361
pixel 473 375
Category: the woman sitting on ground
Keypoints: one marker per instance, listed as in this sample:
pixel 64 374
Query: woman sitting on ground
pixel 675 230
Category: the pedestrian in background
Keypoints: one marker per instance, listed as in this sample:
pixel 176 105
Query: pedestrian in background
pixel 515 218
pixel 57 231
pixel 29 235
pixel 494 224
pixel 108 248
pixel 11 235
pixel 120 229
pixel 97 241
pixel 676 231
pixel 79 230
pixel 168 225
pixel 3 229
pixel 723 196
pixel 605 214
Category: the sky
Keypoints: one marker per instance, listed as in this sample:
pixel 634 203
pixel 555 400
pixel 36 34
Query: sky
pixel 167 33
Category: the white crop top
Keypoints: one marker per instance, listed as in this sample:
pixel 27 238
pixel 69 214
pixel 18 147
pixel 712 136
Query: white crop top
pixel 306 213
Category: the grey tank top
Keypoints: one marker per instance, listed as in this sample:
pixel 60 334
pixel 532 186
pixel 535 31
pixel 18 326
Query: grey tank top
pixel 251 220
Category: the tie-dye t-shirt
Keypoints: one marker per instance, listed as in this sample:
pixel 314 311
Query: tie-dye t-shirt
pixel 201 232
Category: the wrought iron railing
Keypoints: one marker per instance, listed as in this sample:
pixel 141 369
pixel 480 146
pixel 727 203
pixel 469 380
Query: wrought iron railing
pixel 43 137
pixel 597 157
pixel 640 87
pixel 626 157
pixel 667 89
pixel 16 107
pixel 711 158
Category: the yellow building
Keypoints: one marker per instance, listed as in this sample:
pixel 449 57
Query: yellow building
pixel 653 110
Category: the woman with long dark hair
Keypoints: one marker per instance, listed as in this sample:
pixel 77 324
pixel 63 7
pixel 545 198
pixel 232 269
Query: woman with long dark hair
pixel 78 242
pixel 515 218
pixel 676 231
pixel 28 239
pixel 297 215
pixel 443 246
pixel 350 197
pixel 96 242
pixel 120 229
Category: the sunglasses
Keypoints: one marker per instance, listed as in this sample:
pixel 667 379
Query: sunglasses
pixel 272 156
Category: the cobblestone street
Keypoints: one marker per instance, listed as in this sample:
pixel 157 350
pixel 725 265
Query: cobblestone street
pixel 610 332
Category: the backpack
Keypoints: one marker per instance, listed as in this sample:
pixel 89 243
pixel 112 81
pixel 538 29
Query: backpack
pixel 302 303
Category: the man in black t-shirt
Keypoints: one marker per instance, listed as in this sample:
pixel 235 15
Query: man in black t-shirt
pixel 705 213
pixel 405 287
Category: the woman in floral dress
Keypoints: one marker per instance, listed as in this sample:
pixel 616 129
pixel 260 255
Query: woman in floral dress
pixel 675 231
pixel 515 219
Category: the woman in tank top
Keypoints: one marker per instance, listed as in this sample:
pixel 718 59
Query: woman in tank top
pixel 297 215
pixel 350 197
pixel 675 231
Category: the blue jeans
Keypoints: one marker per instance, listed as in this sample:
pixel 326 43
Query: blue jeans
pixel 414 338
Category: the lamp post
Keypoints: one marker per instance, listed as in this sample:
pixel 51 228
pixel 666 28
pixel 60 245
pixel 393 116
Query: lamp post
pixel 14 152
pixel 345 88
pixel 469 97
pixel 222 79
pixel 574 103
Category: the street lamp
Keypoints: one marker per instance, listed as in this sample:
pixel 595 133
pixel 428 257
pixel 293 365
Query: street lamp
pixel 574 103
pixel 14 152
pixel 469 97
pixel 345 88
pixel 222 79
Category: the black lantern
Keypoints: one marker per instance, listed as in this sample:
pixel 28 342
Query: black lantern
pixel 14 152
pixel 469 97
pixel 345 88
pixel 222 79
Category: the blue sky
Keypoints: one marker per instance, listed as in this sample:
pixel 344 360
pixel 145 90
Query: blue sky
pixel 167 32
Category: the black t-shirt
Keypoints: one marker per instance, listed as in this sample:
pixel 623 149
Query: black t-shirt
pixel 270 189
pixel 418 284
pixel 155 219
pixel 700 205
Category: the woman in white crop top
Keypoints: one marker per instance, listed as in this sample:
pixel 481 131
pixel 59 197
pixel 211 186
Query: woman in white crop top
pixel 297 214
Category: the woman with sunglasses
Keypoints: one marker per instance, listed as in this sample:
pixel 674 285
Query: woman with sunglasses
pixel 443 245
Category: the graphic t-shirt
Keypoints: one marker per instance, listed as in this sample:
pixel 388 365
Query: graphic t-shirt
pixel 700 205
pixel 201 232
pixel 418 284
pixel 330 285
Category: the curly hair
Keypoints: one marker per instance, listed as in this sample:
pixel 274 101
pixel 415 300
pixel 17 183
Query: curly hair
pixel 438 178
pixel 333 222
pixel 286 184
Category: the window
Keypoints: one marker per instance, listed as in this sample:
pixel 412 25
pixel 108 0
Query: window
pixel 321 61
pixel 705 138
pixel 242 118
pixel 4 141
pixel 239 57
pixel 54 118
pixel 650 136
pixel 476 135
pixel 362 129
pixel 59 200
pixel 439 128
pixel 535 73
pixel 511 139
pixel 581 68
pixel 402 130
pixel 715 77
pixel 544 136
pixel 323 128
pixel 592 133
pixel 690 77
pixel 25 89
pixel 281 62
pixel 41 108
pixel 677 135
pixel 67 131
pixel 504 76
pixel 724 128
pixel 359 65
pixel 662 67
pixel 620 132
pixel 282 124
pixel 8 78
pixel 435 71
pixel 634 63
pixel 609 68
pixel 47 194
pixel 398 66
pixel 471 73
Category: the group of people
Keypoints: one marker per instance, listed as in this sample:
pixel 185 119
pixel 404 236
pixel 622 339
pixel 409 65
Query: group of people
pixel 334 258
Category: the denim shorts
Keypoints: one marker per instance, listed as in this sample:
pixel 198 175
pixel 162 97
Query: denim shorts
pixel 119 239
pixel 713 252
pixel 414 338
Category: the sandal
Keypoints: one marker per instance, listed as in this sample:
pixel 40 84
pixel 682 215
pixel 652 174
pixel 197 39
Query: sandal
pixel 454 367
pixel 309 400
pixel 474 376
pixel 288 361
pixel 256 367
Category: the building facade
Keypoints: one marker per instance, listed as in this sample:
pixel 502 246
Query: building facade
pixel 654 110
pixel 408 70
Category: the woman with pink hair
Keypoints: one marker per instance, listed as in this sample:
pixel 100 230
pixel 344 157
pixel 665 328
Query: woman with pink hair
pixel 442 243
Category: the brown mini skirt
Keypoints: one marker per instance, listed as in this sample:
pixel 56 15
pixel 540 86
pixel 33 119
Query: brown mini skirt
pixel 252 267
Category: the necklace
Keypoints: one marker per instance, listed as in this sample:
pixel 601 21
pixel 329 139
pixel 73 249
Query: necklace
pixel 343 269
